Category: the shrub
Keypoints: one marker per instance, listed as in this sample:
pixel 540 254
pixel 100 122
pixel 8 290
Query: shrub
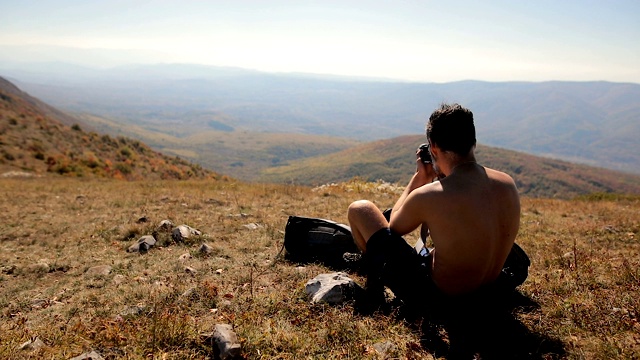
pixel 125 169
pixel 9 156
pixel 125 151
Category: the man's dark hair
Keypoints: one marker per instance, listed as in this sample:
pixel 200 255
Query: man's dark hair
pixel 451 128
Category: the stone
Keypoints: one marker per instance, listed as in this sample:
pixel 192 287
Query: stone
pixel 190 292
pixel 40 303
pixel 251 226
pixel 119 279
pixel 185 257
pixel 333 288
pixel 143 244
pixel 190 270
pixel 33 344
pixel 8 269
pixel 165 225
pixel 384 349
pixel 224 341
pixel 132 310
pixel 93 355
pixel 183 232
pixel 100 270
pixel 206 249
pixel 142 219
pixel 39 268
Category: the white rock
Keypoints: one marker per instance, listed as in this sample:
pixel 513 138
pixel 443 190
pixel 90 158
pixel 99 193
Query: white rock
pixel 100 270
pixel 93 355
pixel 143 244
pixel 227 341
pixel 206 249
pixel 333 288
pixel 183 232
pixel 33 344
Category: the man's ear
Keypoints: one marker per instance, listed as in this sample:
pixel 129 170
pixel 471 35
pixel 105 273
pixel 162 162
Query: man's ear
pixel 435 150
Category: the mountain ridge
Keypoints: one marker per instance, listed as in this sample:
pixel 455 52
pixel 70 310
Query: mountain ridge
pixel 393 160
pixel 592 122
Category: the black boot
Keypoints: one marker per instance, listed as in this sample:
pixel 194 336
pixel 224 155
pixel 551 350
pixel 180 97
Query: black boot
pixel 373 297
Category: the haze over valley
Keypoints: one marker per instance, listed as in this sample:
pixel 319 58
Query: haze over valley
pixel 196 111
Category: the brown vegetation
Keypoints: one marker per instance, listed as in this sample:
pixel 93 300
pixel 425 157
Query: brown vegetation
pixel 33 142
pixel 583 285
pixel 393 160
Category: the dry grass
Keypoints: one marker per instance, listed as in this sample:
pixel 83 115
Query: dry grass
pixel 584 278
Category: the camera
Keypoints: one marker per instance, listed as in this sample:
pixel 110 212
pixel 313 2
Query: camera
pixel 425 154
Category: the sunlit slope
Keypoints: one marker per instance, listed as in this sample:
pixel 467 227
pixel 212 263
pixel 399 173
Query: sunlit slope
pixel 35 142
pixel 393 160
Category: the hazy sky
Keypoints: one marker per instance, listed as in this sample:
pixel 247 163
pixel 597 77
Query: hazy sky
pixel 433 41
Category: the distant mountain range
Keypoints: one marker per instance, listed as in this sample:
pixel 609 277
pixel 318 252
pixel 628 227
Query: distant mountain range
pixel 34 139
pixel 596 123
pixel 37 140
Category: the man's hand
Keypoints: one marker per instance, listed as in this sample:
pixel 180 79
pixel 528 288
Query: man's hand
pixel 424 173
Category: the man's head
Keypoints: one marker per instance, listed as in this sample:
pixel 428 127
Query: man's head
pixel 451 128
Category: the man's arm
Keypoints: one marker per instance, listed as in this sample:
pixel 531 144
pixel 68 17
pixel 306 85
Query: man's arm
pixel 405 215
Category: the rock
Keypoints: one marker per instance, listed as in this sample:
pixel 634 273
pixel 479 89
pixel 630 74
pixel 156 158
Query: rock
pixel 224 341
pixel 39 303
pixel 100 270
pixel 132 310
pixel 8 269
pixel 143 245
pixel 190 270
pixel 190 292
pixel 143 219
pixel 17 174
pixel 33 344
pixel 165 225
pixel 93 355
pixel 206 249
pixel 384 349
pixel 185 256
pixel 251 226
pixel 333 288
pixel 39 268
pixel 183 232
pixel 241 215
pixel 119 279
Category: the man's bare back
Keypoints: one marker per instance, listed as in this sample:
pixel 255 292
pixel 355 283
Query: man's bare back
pixel 473 218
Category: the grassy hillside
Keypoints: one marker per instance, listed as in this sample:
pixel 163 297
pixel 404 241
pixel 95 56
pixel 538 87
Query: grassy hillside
pixel 579 302
pixel 34 141
pixel 393 160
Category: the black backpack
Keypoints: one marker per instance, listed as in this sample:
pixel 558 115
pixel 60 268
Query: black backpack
pixel 308 240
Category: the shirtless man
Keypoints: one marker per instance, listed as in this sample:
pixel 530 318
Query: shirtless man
pixel 472 214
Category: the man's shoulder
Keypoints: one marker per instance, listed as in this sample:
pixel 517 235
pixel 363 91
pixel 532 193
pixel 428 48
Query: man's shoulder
pixel 499 176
